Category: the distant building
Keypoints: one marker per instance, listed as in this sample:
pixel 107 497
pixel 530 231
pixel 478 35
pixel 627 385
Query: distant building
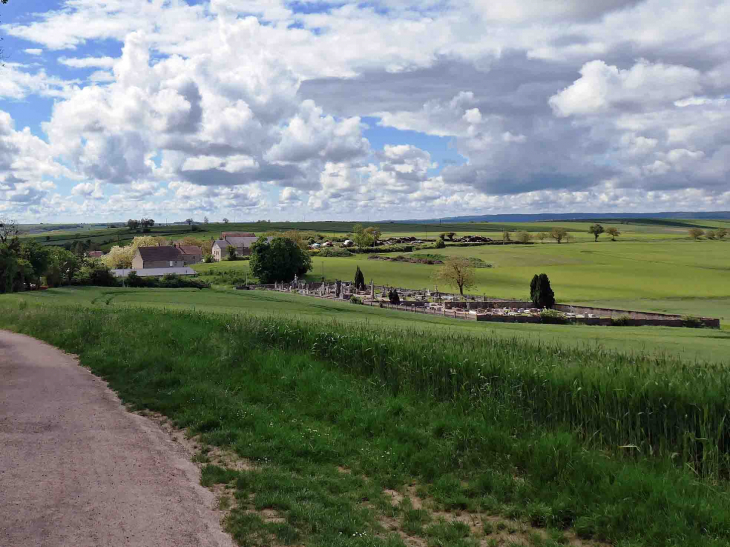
pixel 157 257
pixel 153 272
pixel 95 254
pixel 225 235
pixel 242 245
pixel 191 254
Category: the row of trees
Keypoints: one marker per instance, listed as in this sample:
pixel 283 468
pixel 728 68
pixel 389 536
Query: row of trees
pixel 146 224
pixel 698 233
pixel 23 264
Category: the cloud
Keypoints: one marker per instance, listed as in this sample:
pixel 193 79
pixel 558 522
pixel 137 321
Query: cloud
pixel 602 87
pixel 33 51
pixel 566 106
pixel 89 190
pixel 88 62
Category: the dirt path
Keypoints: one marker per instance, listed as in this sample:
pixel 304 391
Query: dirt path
pixel 77 469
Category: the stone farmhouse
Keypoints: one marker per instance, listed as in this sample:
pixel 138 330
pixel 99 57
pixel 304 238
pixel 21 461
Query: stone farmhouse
pixel 166 257
pixel 242 241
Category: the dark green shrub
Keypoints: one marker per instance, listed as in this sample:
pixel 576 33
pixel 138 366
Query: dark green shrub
pixel 621 321
pixel 359 280
pixel 553 317
pixel 95 273
pixel 330 252
pixel 134 280
pixel 541 293
pixel 692 322
pixel 440 243
pixel 393 296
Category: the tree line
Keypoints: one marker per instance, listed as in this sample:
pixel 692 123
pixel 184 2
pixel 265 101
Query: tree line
pixel 23 264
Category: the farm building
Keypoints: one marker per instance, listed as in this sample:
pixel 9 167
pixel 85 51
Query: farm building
pixel 157 257
pixel 153 272
pixel 191 254
pixel 241 243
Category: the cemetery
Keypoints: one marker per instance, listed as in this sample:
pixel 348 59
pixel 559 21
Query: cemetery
pixel 474 308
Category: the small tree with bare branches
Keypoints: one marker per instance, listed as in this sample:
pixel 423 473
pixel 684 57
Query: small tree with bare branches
pixel 457 272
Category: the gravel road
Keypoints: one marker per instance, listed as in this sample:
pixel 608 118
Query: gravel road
pixel 78 470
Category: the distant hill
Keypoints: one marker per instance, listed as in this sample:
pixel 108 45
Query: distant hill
pixel 545 217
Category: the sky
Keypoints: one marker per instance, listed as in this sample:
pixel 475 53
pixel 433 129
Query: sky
pixel 392 109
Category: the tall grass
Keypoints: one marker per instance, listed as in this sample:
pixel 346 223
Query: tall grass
pixel 634 405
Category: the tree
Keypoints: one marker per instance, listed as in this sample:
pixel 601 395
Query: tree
pixel 374 234
pixel 558 234
pixel 189 221
pixel 8 230
pixel 440 243
pixel 696 233
pixel 133 224
pixel 119 257
pixel 596 230
pixel 38 257
pixel 542 236
pixel 205 220
pixel 225 220
pixel 523 237
pixel 457 272
pixel 613 232
pixel 394 297
pixel 297 237
pixel 62 266
pixel 231 250
pixel 450 235
pixel 711 234
pixel 362 237
pixel 147 222
pixel 278 260
pixel 720 233
pixel 541 293
pixel 359 280
pixel 506 236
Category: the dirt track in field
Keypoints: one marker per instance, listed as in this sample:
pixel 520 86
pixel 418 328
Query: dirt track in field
pixel 77 469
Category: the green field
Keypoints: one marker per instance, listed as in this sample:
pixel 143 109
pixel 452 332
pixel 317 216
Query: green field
pixel 688 344
pixel 350 425
pixel 675 276
pixel 371 436
pixel 632 230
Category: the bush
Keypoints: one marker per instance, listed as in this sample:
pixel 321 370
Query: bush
pixel 692 322
pixel 208 259
pixel 355 300
pixel 331 252
pixel 620 321
pixel 523 237
pixel 553 317
pixel 134 280
pixel 168 281
pixel 95 273
pixel 440 244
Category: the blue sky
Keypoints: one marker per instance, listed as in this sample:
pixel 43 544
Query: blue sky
pixel 385 109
